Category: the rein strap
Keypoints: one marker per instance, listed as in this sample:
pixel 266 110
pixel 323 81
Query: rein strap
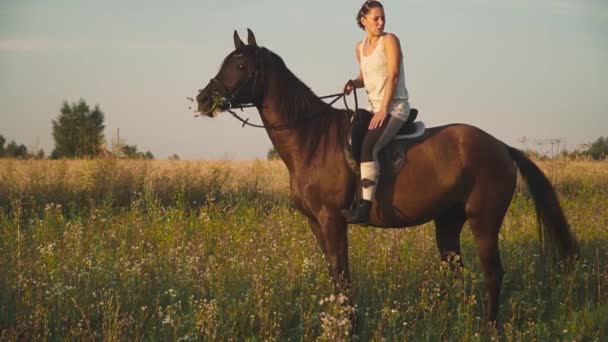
pixel 336 97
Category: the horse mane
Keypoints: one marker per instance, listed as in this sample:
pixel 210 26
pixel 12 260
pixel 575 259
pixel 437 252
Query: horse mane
pixel 301 106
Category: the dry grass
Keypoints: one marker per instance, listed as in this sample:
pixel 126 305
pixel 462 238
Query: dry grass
pixel 122 181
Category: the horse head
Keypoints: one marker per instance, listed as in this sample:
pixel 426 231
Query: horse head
pixel 239 80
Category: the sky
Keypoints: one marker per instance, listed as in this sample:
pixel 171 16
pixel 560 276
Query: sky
pixel 534 69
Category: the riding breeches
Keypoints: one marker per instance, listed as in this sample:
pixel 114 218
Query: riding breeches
pixel 374 140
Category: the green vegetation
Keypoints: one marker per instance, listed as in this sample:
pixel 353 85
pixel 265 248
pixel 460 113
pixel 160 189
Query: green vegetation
pixel 272 154
pixel 78 131
pixel 132 152
pixel 599 148
pixel 17 151
pixel 179 250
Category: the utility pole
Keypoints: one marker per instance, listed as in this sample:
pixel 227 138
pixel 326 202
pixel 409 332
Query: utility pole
pixel 118 149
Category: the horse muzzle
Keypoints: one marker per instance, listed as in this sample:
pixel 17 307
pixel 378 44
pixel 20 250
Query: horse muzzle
pixel 204 102
pixel 211 103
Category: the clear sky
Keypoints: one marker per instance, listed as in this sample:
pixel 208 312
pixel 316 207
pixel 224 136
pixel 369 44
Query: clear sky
pixel 516 68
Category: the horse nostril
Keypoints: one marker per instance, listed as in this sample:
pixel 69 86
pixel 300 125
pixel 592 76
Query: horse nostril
pixel 203 98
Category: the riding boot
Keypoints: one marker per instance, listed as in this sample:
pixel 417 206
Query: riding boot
pixel 359 211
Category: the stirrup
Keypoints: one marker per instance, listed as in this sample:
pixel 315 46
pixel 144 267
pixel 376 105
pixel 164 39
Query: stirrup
pixel 359 212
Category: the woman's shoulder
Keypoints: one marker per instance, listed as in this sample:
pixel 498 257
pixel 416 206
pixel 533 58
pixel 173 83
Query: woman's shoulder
pixel 358 47
pixel 391 42
pixel 391 37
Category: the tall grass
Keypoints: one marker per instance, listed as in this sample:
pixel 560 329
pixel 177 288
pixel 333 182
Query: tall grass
pixel 82 183
pixel 178 250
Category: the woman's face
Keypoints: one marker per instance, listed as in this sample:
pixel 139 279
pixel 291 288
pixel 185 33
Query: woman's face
pixel 374 21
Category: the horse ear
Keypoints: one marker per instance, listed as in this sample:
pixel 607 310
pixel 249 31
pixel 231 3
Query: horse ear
pixel 251 38
pixel 238 43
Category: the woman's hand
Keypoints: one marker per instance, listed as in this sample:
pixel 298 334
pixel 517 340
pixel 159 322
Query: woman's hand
pixel 349 86
pixel 377 119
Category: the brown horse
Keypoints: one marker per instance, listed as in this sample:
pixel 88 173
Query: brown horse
pixel 457 173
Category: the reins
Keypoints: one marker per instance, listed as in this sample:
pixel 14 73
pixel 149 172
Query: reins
pixel 336 97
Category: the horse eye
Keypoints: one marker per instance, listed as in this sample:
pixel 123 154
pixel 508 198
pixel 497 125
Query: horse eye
pixel 240 66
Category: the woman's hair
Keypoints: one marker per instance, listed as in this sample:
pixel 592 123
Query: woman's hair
pixel 365 8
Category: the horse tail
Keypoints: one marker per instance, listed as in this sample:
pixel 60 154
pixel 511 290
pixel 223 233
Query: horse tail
pixel 554 231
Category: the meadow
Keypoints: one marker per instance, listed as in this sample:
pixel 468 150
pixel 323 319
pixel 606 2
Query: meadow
pixel 200 250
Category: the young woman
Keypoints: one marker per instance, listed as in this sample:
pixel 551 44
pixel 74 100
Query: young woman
pixel 381 73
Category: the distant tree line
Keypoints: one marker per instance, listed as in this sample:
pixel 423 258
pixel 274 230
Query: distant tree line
pixel 18 151
pixel 131 152
pixel 77 133
pixel 598 150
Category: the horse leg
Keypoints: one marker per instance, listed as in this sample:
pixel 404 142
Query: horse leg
pixel 315 227
pixel 447 234
pixel 486 236
pixel 334 230
pixel 331 234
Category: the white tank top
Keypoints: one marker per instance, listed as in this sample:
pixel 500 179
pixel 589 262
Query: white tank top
pixel 374 69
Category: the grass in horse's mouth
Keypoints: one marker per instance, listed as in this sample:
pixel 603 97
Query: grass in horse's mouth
pixel 219 104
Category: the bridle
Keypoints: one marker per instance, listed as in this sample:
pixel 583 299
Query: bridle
pixel 253 77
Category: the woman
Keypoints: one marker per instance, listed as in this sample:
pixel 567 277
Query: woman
pixel 381 73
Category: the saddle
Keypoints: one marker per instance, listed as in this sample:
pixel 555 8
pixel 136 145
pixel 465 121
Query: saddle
pixel 392 156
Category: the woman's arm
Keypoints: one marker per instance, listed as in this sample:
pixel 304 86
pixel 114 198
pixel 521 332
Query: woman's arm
pixel 392 48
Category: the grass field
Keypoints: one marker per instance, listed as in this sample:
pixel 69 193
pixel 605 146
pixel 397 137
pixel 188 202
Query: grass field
pixel 179 250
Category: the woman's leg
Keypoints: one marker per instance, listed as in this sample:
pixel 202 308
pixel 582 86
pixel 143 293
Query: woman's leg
pixel 374 140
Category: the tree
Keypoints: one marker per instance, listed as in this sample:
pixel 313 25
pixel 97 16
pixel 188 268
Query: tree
pixel 598 149
pixel 174 156
pixel 78 130
pixel 2 151
pixel 13 150
pixel 272 154
pixel 39 154
pixel 16 151
pixel 131 152
pixel 54 155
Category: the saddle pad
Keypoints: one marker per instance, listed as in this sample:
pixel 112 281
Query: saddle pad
pixel 392 156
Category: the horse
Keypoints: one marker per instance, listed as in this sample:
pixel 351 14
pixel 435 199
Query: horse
pixel 457 173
